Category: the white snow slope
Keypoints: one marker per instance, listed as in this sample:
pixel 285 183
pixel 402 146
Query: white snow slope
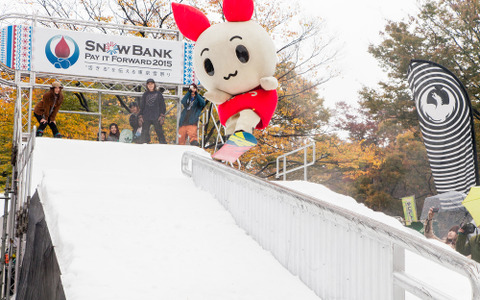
pixel 127 224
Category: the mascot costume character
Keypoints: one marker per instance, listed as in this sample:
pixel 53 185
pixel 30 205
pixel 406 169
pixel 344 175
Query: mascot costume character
pixel 235 61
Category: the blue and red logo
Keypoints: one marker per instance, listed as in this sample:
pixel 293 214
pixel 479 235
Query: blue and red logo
pixel 62 56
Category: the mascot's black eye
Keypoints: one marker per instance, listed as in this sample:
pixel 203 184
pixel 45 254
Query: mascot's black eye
pixel 242 54
pixel 207 64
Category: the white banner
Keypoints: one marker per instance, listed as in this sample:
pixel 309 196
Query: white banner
pixel 107 56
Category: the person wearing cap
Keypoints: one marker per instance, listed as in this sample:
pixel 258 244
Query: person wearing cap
pixel 152 112
pixel 46 110
pixel 193 104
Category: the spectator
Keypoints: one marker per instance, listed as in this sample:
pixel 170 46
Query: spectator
pixel 469 246
pixel 103 136
pixel 46 110
pixel 193 104
pixel 114 134
pixel 152 112
pixel 135 122
pixel 450 239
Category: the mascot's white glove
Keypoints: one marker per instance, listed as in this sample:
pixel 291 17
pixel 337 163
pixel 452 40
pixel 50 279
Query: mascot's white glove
pixel 217 97
pixel 269 83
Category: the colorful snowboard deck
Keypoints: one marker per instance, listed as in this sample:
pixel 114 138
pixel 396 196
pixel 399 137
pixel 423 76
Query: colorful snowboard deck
pixel 237 144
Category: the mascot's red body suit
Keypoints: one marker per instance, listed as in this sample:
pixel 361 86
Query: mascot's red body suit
pixel 235 61
pixel 262 102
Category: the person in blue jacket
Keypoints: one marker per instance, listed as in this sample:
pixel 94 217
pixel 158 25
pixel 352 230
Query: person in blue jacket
pixel 193 104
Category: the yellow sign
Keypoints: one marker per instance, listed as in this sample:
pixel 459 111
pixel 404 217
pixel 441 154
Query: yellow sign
pixel 409 209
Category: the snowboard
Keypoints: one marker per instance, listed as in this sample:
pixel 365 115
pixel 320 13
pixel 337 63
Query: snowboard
pixel 126 136
pixel 237 144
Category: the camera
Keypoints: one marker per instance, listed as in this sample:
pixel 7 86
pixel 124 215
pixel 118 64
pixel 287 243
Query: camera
pixel 469 228
pixel 435 209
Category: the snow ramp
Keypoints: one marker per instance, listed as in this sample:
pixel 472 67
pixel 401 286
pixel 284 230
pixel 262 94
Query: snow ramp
pixel 126 223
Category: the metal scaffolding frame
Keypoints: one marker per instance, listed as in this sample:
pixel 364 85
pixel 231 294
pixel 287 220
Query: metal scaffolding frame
pixel 19 85
pixel 26 81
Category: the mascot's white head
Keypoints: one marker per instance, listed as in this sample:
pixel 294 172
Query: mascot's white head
pixel 230 57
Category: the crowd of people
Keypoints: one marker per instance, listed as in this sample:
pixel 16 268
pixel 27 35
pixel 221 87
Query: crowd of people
pixel 462 238
pixel 150 111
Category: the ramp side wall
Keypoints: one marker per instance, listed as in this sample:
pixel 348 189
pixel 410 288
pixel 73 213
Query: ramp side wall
pixel 40 273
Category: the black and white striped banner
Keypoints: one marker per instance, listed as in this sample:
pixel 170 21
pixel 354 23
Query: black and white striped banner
pixel 445 116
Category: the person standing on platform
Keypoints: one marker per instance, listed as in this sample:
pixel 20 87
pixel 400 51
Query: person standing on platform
pixel 152 112
pixel 46 110
pixel 193 104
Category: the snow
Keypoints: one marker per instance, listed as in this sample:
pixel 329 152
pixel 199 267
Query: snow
pixel 127 224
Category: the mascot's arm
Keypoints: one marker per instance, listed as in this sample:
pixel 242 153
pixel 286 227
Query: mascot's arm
pixel 269 83
pixel 217 96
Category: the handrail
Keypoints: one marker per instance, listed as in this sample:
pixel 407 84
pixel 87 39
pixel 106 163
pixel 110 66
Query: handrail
pixel 290 224
pixel 304 166
pixel 25 156
pixel 22 171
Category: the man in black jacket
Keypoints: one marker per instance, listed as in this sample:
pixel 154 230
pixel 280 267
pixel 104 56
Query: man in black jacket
pixel 152 112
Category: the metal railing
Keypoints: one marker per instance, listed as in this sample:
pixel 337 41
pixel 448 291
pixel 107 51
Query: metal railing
pixel 339 254
pixel 14 226
pixel 305 165
pixel 4 264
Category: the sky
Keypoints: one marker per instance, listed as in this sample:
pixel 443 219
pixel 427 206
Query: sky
pixel 355 24
pixel 130 226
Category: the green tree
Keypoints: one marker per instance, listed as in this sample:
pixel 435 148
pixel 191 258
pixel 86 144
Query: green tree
pixel 446 32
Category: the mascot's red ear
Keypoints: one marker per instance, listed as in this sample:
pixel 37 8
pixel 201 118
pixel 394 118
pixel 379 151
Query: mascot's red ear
pixel 238 10
pixel 190 21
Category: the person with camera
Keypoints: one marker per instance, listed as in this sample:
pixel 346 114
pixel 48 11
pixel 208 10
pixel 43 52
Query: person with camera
pixel 467 246
pixel 450 239
pixel 193 104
